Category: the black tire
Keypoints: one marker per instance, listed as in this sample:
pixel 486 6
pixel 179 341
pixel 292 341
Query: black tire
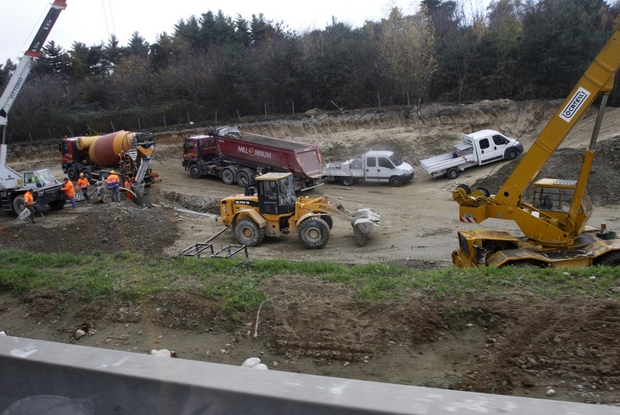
pixel 347 181
pixel 73 173
pixel 243 178
pixel 396 182
pixel 609 259
pixel 18 204
pixel 228 176
pixel 57 204
pixel 466 188
pixel 194 171
pixel 484 191
pixel 248 233
pixel 452 173
pixel 328 219
pixel 314 232
pixel 511 154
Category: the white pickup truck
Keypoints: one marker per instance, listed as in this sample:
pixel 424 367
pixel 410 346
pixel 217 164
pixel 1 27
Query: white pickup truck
pixel 372 166
pixel 475 149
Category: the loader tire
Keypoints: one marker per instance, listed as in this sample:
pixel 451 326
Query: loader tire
pixel 328 219
pixel 194 171
pixel 248 233
pixel 314 233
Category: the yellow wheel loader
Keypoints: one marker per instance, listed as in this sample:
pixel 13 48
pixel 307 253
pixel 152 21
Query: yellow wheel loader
pixel 271 209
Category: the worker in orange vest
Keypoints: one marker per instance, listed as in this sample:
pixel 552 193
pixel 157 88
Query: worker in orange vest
pixel 29 204
pixel 83 183
pixel 127 186
pixel 114 185
pixel 69 191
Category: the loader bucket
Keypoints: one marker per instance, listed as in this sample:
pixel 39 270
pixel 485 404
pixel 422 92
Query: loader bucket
pixel 363 221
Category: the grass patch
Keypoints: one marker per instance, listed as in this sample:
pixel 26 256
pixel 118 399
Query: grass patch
pixel 236 282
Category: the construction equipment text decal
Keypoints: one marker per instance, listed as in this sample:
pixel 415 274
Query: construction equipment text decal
pixel 574 104
pixel 255 153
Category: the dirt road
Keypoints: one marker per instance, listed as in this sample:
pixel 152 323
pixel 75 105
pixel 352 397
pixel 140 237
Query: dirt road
pixel 513 343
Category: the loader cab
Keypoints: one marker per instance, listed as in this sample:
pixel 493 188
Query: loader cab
pixel 276 193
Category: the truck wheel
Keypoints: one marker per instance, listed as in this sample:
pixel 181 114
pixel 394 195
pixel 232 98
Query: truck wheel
pixel 248 233
pixel 73 174
pixel 314 233
pixel 194 171
pixel 347 181
pixel 18 204
pixel 609 259
pixel 243 178
pixel 396 182
pixel 57 204
pixel 511 154
pixel 228 177
pixel 453 173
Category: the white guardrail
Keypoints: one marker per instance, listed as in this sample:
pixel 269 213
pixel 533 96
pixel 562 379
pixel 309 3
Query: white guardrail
pixel 46 378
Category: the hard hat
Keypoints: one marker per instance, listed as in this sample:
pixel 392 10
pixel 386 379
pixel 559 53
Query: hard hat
pixel 112 172
pixel 81 174
pixel 66 178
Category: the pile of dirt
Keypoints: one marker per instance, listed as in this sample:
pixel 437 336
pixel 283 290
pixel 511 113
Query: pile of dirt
pixel 94 228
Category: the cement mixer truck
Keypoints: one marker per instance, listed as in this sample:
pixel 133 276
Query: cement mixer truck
pixel 127 153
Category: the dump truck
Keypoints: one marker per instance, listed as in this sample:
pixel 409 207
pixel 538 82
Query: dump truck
pixel 127 153
pixel 275 211
pixel 13 185
pixel 240 157
pixel 554 223
pixel 374 166
pixel 474 149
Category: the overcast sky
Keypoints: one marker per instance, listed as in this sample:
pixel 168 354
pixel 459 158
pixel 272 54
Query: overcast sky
pixel 93 21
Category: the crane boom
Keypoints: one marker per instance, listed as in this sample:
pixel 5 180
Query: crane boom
pixel 27 62
pixel 554 223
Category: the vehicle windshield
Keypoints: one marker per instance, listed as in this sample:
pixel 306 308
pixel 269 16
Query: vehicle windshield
pixel 45 177
pixel 396 160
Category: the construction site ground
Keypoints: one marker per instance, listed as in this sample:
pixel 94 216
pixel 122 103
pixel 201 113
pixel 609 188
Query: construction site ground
pixel 509 343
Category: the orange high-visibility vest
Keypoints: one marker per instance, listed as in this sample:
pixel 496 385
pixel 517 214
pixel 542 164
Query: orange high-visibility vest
pixel 68 189
pixel 28 199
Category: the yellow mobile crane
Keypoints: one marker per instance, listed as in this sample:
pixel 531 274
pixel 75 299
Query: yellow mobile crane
pixel 554 223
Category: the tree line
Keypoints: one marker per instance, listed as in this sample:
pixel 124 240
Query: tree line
pixel 215 68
